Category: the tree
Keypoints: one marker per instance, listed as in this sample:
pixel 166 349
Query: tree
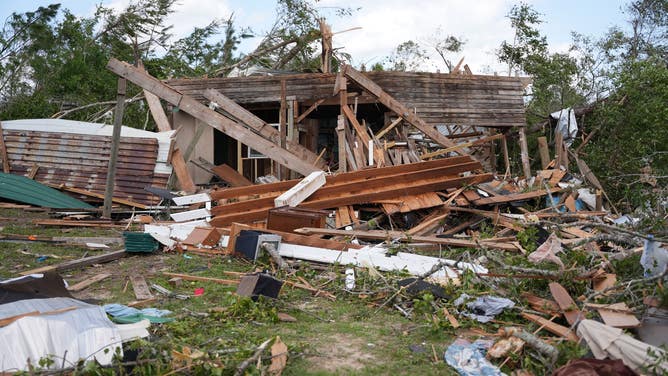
pixel 446 46
pixel 528 46
pixel 22 36
pixel 408 56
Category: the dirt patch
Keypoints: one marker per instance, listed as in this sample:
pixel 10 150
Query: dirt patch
pixel 342 351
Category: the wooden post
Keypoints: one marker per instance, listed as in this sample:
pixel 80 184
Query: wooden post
pixel 282 127
pixel 341 132
pixel 506 157
pixel 524 151
pixel 3 150
pixel 115 141
pixel 558 149
pixel 544 152
pixel 326 55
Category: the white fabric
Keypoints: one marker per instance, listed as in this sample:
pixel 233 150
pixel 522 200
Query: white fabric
pixel 608 342
pixel 82 333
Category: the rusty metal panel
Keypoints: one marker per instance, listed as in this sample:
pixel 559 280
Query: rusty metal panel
pixel 80 161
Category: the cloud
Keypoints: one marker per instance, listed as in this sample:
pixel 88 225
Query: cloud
pixel 481 23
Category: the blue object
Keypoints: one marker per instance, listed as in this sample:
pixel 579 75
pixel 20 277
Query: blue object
pixel 42 258
pixel 126 315
pixel 555 202
pixel 469 358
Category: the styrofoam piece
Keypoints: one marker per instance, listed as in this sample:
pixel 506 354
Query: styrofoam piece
pixel 133 331
pixel 192 199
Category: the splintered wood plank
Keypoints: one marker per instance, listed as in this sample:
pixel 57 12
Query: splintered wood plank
pixel 557 175
pixel 394 105
pixel 552 327
pixel 405 204
pixel 73 264
pixel 140 287
pixel 302 190
pixel 513 197
pixel 566 303
pixel 428 224
pixel 230 175
pixel 181 171
pixel 542 305
pixel 87 282
pixel 198 110
pixel 617 315
pixel 157 111
pixel 265 130
pixel 604 282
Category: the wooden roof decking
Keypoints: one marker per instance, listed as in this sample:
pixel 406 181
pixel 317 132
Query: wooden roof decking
pixel 489 101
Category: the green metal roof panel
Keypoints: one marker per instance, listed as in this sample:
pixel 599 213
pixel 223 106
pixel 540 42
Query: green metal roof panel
pixel 21 189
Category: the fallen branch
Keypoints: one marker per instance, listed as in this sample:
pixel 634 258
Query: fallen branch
pixel 256 355
pixel 535 342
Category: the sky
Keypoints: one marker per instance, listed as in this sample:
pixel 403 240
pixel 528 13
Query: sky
pixel 385 24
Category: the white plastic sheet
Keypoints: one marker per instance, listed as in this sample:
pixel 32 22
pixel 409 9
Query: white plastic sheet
pixel 81 333
pixel 566 125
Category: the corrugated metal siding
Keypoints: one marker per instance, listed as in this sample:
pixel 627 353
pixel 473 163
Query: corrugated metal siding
pixel 22 189
pixel 476 100
pixel 80 161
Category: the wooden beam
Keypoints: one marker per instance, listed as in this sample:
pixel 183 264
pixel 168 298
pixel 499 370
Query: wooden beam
pixel 308 111
pixel 248 119
pixel 524 154
pixel 115 143
pixel 552 327
pixel 341 136
pixel 84 192
pixel 78 263
pixel 544 152
pixel 224 172
pixel 401 236
pixel 154 106
pixel 157 111
pixel 361 131
pixel 87 282
pixel 513 197
pixel 394 105
pixel 140 287
pixel 302 190
pixel 210 117
pixel 389 127
pixel 3 152
pixel 181 171
pixel 461 146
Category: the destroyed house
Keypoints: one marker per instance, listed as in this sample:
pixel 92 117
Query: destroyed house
pixel 464 108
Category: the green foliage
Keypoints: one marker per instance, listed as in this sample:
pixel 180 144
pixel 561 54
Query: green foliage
pixel 630 154
pixel 528 46
pixel 528 238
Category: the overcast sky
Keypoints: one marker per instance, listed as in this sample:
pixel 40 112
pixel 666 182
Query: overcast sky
pixel 387 23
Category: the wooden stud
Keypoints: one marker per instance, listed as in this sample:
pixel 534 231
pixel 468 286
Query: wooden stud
pixel 544 152
pixel 524 153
